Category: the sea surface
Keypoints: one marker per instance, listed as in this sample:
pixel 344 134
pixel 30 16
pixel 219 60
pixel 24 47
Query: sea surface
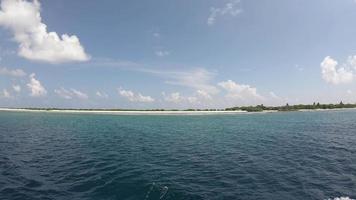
pixel 286 156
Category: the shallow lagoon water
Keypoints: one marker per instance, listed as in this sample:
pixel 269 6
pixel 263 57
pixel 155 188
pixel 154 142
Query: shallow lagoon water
pixel 294 155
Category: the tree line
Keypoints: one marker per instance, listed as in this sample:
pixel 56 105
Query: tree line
pixel 287 107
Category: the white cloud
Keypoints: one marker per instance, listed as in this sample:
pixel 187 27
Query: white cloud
pixel 349 92
pixel 6 94
pixel 162 53
pixel 23 18
pixel 177 98
pixel 198 78
pixel 195 78
pixel 35 87
pixel 352 61
pixel 63 93
pixel 231 8
pixel 17 88
pixel 79 94
pixel 14 72
pixel 174 97
pixel 132 97
pixel 204 94
pixel 102 95
pixel 334 74
pixel 239 91
pixel 70 94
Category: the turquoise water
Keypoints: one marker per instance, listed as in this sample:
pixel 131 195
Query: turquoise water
pixel 295 155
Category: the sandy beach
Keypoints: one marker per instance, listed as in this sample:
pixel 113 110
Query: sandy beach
pixel 123 112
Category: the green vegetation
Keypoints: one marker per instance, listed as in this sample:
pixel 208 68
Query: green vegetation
pixel 287 107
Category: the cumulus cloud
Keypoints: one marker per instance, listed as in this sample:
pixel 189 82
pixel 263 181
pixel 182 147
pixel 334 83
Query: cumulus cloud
pixel 334 74
pixel 231 8
pixel 70 93
pixel 17 88
pixel 12 72
pixel 102 94
pixel 36 87
pixel 23 18
pixel 162 53
pixel 133 97
pixel 239 91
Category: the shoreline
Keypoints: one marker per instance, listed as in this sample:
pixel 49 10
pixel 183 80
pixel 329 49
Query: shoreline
pixel 168 112
pixel 124 112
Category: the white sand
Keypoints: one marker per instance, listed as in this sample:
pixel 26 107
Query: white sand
pixel 149 112
pixel 127 112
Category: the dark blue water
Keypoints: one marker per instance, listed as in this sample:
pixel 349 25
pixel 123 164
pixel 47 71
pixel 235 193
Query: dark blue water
pixel 296 155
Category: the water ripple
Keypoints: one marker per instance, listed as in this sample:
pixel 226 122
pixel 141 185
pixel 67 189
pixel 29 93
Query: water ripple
pixel 308 155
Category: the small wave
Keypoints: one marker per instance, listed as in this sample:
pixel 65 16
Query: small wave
pixel 341 198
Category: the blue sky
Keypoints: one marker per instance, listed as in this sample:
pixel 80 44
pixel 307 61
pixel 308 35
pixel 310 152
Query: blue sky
pixel 176 54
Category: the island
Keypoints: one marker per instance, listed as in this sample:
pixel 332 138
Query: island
pixel 232 110
pixel 297 107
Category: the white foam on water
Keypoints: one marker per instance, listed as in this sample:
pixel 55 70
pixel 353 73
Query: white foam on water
pixel 163 192
pixel 341 198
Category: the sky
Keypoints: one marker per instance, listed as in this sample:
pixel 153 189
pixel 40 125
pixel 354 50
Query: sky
pixel 176 54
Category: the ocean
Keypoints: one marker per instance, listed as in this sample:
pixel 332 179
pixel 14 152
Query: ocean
pixel 275 156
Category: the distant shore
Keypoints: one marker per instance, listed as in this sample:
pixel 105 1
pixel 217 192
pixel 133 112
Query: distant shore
pixel 157 112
